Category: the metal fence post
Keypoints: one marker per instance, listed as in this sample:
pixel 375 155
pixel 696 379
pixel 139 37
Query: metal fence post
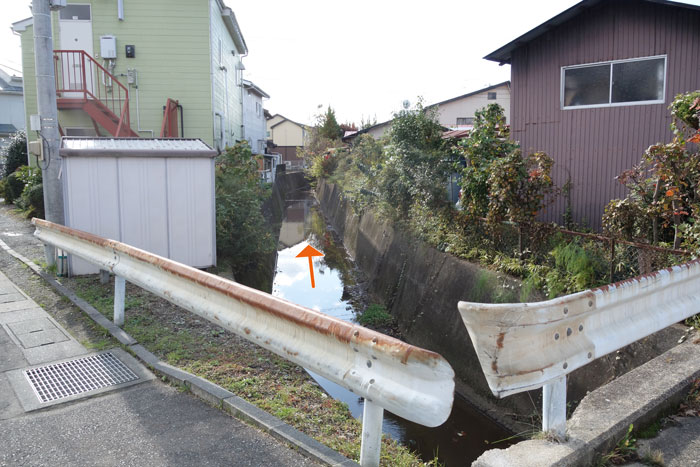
pixel 372 417
pixel 119 297
pixel 554 407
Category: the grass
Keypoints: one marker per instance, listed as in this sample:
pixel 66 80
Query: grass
pixel 375 315
pixel 258 376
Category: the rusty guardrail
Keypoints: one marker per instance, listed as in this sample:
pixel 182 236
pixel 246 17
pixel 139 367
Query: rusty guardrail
pixel 411 382
pixel 524 346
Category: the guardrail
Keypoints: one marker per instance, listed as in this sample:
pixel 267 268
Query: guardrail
pixel 525 346
pixel 411 382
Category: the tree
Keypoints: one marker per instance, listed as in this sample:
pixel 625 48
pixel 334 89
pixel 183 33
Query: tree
pixel 663 187
pixel 417 161
pixel 487 142
pixel 242 236
pixel 329 127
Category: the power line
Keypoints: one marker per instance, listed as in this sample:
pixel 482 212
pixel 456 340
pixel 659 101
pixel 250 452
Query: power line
pixel 10 68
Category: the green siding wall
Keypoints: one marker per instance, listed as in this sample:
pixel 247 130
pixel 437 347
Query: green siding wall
pixel 172 41
pixel 29 76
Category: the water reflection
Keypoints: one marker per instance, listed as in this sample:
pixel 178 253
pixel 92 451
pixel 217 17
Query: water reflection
pixel 465 434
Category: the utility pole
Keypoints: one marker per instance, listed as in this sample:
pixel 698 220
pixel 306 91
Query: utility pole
pixel 48 113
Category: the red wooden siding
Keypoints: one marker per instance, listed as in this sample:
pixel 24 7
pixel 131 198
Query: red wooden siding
pixel 593 146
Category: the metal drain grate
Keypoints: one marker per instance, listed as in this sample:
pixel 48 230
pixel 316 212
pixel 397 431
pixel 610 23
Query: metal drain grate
pixel 66 379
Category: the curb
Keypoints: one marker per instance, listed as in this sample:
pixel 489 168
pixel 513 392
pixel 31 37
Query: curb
pixel 212 393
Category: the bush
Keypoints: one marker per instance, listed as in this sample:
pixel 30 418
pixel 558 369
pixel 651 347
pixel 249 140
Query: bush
pixel 242 235
pixel 13 188
pixel 16 153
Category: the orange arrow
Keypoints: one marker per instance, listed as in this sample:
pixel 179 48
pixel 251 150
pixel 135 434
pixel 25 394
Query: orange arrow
pixel 310 252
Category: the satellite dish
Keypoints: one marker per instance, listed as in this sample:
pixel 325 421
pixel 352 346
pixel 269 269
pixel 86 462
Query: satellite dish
pixel 406 104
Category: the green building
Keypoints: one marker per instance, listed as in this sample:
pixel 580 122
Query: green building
pixel 118 62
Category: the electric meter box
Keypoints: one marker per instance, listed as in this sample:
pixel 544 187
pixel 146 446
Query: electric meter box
pixel 108 47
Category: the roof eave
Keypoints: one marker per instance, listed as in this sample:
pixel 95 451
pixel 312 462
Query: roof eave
pixel 503 55
pixel 234 30
pixel 22 25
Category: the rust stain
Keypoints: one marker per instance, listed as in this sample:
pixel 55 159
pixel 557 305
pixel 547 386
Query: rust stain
pixel 499 341
pixel 525 372
pixel 296 314
pixel 494 365
pixel 247 331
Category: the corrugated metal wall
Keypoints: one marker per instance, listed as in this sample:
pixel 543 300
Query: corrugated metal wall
pixel 593 146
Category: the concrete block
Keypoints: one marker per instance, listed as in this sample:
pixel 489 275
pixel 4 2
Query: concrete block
pixel 176 375
pixel 603 417
pixel 145 356
pixel 309 446
pixel 210 392
pixel 249 413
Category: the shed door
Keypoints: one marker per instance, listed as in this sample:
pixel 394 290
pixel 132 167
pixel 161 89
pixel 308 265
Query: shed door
pixel 75 29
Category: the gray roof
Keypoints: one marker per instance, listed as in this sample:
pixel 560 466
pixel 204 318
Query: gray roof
pixel 7 128
pixel 503 55
pixel 124 147
pixel 6 86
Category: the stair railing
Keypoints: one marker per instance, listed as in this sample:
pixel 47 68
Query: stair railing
pixel 80 76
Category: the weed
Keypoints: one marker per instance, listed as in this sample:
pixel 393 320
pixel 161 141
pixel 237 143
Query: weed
pixel 650 431
pixel 375 315
pixel 625 451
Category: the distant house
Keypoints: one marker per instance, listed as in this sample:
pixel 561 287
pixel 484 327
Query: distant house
pixel 254 121
pixel 187 51
pixel 456 113
pixel 286 136
pixel 591 87
pixel 11 106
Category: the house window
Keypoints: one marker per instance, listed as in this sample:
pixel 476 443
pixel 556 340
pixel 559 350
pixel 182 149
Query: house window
pixel 75 12
pixel 258 108
pixel 491 96
pixel 465 121
pixel 619 82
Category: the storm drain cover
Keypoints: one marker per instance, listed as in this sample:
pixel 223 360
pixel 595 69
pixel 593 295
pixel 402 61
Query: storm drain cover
pixel 60 380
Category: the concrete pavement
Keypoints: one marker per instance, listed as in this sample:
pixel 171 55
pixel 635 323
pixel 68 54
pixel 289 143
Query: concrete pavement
pixel 141 422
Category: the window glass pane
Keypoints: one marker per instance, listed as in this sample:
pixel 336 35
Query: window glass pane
pixel 587 85
pixel 491 96
pixel 81 12
pixel 641 80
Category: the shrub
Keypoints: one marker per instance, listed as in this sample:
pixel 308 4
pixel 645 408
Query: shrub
pixel 16 153
pixel 13 188
pixel 242 236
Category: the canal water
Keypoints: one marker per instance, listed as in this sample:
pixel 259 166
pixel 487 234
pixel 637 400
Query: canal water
pixel 338 292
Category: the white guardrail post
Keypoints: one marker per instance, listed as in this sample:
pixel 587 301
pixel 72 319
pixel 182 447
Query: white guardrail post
pixel 372 418
pixel 411 382
pixel 525 346
pixel 119 299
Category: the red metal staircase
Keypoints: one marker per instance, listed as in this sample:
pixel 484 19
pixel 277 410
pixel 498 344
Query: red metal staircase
pixel 82 83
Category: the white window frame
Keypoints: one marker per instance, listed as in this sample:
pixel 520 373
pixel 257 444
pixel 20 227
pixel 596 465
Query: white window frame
pixel 610 83
pixel 77 20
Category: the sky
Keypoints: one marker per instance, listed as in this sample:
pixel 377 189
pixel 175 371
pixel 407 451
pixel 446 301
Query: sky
pixel 362 58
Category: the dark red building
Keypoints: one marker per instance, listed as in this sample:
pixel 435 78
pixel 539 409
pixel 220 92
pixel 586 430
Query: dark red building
pixel 591 87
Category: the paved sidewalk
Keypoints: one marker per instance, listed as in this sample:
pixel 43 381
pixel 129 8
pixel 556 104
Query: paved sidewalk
pixel 139 422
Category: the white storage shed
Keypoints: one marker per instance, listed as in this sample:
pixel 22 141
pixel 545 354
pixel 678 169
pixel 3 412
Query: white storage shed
pixel 154 194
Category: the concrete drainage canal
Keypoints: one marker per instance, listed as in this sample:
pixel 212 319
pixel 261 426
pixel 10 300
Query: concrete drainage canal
pixel 339 292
